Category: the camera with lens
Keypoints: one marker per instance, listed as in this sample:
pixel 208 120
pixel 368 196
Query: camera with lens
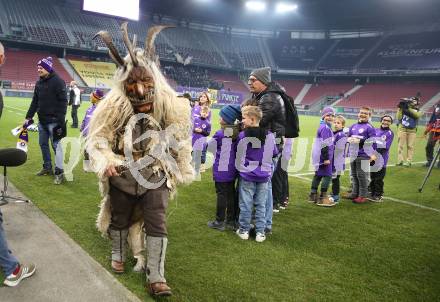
pixel 404 103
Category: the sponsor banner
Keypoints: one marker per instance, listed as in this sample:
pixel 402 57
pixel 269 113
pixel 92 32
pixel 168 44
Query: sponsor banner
pixel 219 97
pixel 402 52
pixel 227 97
pixel 95 74
pixel 22 85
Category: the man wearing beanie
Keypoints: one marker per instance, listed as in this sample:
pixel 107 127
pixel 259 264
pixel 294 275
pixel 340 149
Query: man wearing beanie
pixel 50 104
pixel 266 95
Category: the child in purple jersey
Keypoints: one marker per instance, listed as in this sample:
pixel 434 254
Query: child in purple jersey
pixel 255 150
pixel 201 130
pixel 95 97
pixel 383 141
pixel 223 169
pixel 203 101
pixel 359 134
pixel 322 157
pixel 340 140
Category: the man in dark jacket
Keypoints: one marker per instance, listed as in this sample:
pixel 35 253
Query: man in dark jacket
pixel 266 95
pixel 50 103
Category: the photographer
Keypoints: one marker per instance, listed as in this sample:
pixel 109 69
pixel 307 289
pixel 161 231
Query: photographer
pixel 408 116
pixel 12 269
pixel 432 133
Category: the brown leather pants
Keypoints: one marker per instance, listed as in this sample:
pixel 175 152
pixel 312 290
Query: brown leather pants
pixel 127 208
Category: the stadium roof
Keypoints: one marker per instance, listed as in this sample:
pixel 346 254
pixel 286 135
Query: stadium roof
pixel 311 14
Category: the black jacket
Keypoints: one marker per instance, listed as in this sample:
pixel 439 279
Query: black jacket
pixel 49 100
pixel 274 113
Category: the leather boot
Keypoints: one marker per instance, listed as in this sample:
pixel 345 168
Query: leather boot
pixel 119 249
pixel 156 250
pixel 313 197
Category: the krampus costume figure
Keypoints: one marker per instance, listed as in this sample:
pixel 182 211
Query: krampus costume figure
pixel 140 146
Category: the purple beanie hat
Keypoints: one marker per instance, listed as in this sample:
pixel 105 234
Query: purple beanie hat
pixel 46 63
pixel 327 111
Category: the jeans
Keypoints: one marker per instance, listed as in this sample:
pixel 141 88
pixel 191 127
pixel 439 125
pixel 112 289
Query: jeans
pixel 8 262
pixel 45 132
pixel 252 194
pixel 324 185
pixel 360 177
pixel 269 199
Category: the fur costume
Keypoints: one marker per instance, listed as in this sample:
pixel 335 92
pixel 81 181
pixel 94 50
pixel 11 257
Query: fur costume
pixel 169 145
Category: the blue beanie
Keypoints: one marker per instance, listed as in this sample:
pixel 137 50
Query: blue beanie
pixel 46 63
pixel 230 113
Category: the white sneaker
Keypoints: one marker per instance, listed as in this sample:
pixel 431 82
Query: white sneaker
pixel 260 237
pixel 242 234
pixel 25 271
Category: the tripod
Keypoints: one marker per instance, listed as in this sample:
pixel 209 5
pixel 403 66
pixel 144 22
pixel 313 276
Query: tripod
pixel 10 157
pixel 436 157
pixel 5 198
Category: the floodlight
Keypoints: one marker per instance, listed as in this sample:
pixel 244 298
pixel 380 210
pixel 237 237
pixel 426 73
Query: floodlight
pixel 285 7
pixel 257 6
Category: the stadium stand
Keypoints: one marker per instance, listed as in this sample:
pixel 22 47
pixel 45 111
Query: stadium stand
pixel 347 53
pixel 326 89
pixel 299 54
pixel 195 44
pixel 293 87
pixel 26 61
pixel 240 52
pixel 230 82
pixel 409 51
pixel 387 95
pixel 38 20
pixel 191 76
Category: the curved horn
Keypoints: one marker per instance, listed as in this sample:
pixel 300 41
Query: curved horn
pixel 134 41
pixel 128 44
pixel 112 51
pixel 151 36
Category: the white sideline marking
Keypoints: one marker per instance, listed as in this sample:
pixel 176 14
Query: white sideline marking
pixel 311 173
pixel 15 108
pixel 387 198
pixel 411 203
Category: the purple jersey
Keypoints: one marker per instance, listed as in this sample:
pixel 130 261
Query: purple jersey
pixel 340 142
pixel 203 124
pixel 195 113
pixel 223 169
pixel 323 150
pixel 255 164
pixel 383 141
pixel 362 131
pixel 85 123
